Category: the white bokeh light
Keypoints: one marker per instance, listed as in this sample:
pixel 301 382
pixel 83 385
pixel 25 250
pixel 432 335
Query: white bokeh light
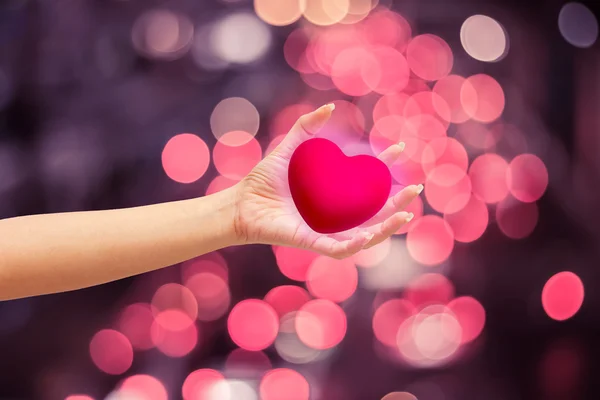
pixel 483 38
pixel 578 25
pixel 240 38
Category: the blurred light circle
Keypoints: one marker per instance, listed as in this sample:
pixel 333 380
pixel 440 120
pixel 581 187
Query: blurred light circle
pixel 185 158
pixel 234 114
pixel 199 384
pixel 578 25
pixel 391 104
pixel 483 38
pixel 448 91
pixel 240 38
pixel 527 178
pixel 135 322
pixel 423 127
pixel 482 98
pixel 284 384
pixel 293 262
pixel 111 352
pixel 212 294
pixel 430 241
pixel 515 219
pixel 286 299
pixel 437 336
pixel 326 12
pixel 289 346
pixel 428 104
pixel 429 57
pixel 253 324
pixel 470 223
pixel 295 51
pixel 477 135
pixel 243 363
pixel 488 178
pixel 162 34
pixel 144 387
pixel 235 162
pixel 173 296
pixel 386 28
pixel 392 69
pixel 356 71
pixel 213 263
pixel 428 289
pixel 387 320
pixel 285 119
pixel 233 389
pixel 374 255
pixel 471 316
pixel 279 12
pixel 562 295
pixel 387 131
pixel 203 53
pixel 442 151
pixel 415 207
pixel 331 279
pixel 399 396
pixel 174 333
pixel 447 188
pixel 79 397
pixel 220 183
pixel 408 172
pixel 321 324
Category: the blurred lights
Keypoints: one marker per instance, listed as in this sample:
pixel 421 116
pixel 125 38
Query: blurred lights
pixel 293 262
pixel 374 255
pixel 483 38
pixel 562 295
pixel 429 57
pixel 111 352
pixel 279 12
pixel 174 333
pixel 240 38
pixel 234 114
pixel 430 241
pixel 332 279
pixel 286 299
pixel 162 34
pixel 428 289
pixel 471 315
pixel 388 318
pixel 242 363
pixel 399 396
pixel 515 219
pixel 326 12
pixel 488 178
pixel 200 384
pixel 144 387
pixel 235 162
pixel 469 223
pixel 212 294
pixel 527 178
pixel 482 98
pixel 321 324
pixel 173 296
pixel 253 324
pixel 578 25
pixel 449 89
pixel 185 158
pixel 284 384
pixel 135 322
pixel 289 346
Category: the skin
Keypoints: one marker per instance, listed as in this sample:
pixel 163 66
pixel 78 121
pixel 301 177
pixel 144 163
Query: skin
pixel 42 254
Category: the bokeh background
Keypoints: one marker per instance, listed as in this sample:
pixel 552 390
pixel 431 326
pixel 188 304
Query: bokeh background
pixel 489 293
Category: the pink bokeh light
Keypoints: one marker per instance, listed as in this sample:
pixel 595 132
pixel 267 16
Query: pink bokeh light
pixel 427 289
pixel 429 57
pixel 135 322
pixel 470 222
pixel 527 178
pixel 321 324
pixel 482 98
pixel 562 295
pixel 332 279
pixel 253 324
pixel 286 299
pixel 471 316
pixel 293 262
pixel 235 162
pixel 284 384
pixel 430 241
pixel 515 219
pixel 144 387
pixel 111 352
pixel 174 333
pixel 388 317
pixel 488 178
pixel 200 384
pixel 185 158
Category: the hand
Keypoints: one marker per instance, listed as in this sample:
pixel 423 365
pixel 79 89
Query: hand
pixel 265 212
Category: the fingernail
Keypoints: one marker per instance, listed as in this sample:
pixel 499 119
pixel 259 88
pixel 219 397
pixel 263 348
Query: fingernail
pixel 402 145
pixel 369 236
pixel 419 188
pixel 331 106
pixel 409 217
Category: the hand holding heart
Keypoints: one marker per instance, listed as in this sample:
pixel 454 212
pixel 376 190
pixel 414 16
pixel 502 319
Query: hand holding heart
pixel 304 198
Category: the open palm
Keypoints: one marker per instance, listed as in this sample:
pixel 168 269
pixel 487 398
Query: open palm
pixel 266 212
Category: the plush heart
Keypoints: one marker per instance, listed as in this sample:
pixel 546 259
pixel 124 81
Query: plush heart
pixel 334 192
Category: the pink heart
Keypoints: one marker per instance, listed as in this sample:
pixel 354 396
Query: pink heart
pixel 334 192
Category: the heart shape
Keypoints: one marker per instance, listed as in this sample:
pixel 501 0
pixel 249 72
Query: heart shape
pixel 334 192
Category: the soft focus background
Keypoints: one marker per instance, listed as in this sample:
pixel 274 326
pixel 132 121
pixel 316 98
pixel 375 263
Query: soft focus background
pixel 118 103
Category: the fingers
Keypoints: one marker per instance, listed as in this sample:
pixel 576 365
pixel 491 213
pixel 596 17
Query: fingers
pixel 307 126
pixel 331 247
pixel 391 154
pixel 388 227
pixel 396 203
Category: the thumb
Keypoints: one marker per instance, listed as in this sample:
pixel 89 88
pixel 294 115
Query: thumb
pixel 306 127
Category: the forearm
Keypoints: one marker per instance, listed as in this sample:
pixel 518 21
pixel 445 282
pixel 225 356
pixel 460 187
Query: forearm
pixel 59 252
